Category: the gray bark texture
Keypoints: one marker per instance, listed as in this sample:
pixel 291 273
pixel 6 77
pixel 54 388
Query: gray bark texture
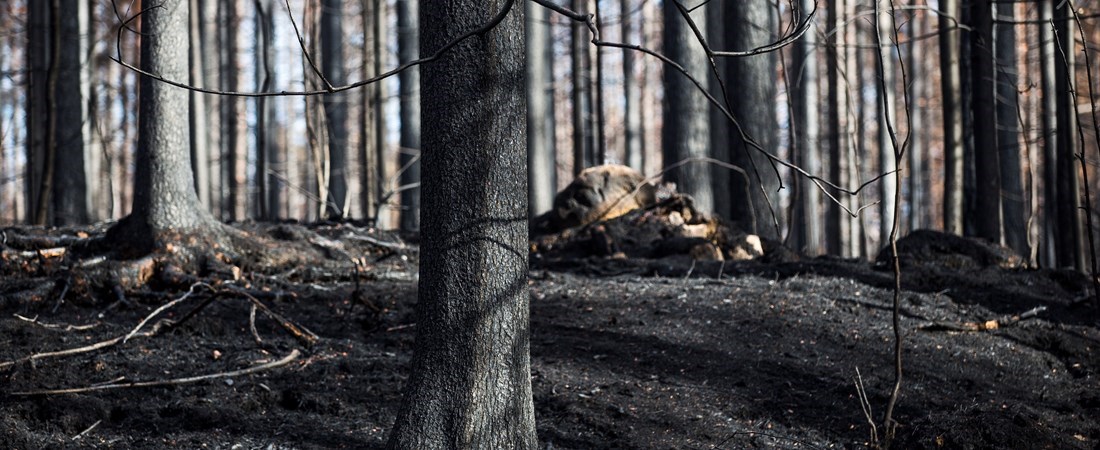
pixel 541 169
pixel 470 384
pixel 807 106
pixel 335 105
pixel 749 26
pixel 951 87
pixel 368 152
pixel 986 155
pixel 686 132
pixel 408 43
pixel 70 199
pixel 164 193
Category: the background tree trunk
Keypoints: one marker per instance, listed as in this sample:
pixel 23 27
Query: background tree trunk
pixel 807 105
pixel 584 133
pixel 986 157
pixel 686 131
pixel 269 195
pixel 198 114
pixel 70 201
pixel 887 118
pixel 211 71
pixel 835 222
pixel 719 124
pixel 541 170
pixel 634 148
pixel 1049 118
pixel 36 104
pixel 233 118
pixel 748 26
pixel 408 38
pixel 1008 131
pixel 1071 246
pixel 951 88
pixel 369 100
pixel 470 384
pixel 917 151
pixel 335 106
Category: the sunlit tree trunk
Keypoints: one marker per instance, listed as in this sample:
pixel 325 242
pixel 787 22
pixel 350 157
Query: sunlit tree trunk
pixel 686 118
pixel 887 118
pixel 369 99
pixel 1051 237
pixel 470 380
pixel 541 171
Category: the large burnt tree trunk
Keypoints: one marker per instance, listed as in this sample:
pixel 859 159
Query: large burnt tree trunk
pixel 165 204
pixel 470 384
pixel 687 123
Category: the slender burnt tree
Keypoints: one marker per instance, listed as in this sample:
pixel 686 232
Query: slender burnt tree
pixel 687 126
pixel 540 111
pixel 470 384
pixel 335 106
pixel 408 36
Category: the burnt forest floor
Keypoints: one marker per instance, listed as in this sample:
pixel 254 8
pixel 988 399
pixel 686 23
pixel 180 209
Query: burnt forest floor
pixel 626 353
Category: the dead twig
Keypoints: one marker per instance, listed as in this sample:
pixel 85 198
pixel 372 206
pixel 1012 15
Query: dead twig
pixel 169 382
pixel 306 337
pixel 57 326
pixel 988 325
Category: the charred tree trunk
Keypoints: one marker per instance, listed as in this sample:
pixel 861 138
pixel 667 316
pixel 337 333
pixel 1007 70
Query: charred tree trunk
pixel 70 200
pixel 37 105
pixel 335 106
pixel 470 383
pixel 686 117
pixel 1071 246
pixel 807 105
pixel 632 128
pixel 834 216
pixel 1051 237
pixel 986 158
pixel 1008 132
pixel 951 87
pixel 584 133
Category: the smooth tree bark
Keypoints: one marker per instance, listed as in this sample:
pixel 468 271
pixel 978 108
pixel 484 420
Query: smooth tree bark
pixel 370 103
pixel 951 92
pixel 408 43
pixel 686 131
pixel 269 154
pixel 335 106
pixel 633 140
pixel 748 26
pixel 983 110
pixel 198 115
pixel 1013 206
pixel 164 204
pixel 211 70
pixel 719 123
pixel 808 235
pixel 1051 237
pixel 470 381
pixel 234 172
pixel 541 170
pixel 917 151
pixel 584 132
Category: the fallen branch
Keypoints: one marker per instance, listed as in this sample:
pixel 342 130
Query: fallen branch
pixel 1003 322
pixel 57 326
pixel 170 382
pixel 306 337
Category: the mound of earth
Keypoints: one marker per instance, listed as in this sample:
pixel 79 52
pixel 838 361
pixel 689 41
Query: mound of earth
pixel 626 352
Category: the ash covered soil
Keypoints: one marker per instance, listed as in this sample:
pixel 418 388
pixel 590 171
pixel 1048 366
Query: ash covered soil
pixel 626 352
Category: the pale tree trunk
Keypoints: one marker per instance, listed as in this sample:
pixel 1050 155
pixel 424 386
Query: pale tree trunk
pixel 686 125
pixel 210 74
pixel 335 105
pixel 584 138
pixel 470 380
pixel 634 149
pixel 986 157
pixel 71 197
pixel 97 177
pixel 853 131
pixel 951 89
pixel 807 105
pixel 36 104
pixel 1071 246
pixel 408 38
pixel 380 123
pixel 541 171
pixel 835 221
pixel 887 117
pixel 1049 113
pixel 233 120
pixel 165 203
pixel 917 151
pixel 1008 132
pixel 199 118
pixel 748 26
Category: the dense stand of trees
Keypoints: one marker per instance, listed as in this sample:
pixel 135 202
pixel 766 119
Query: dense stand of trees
pixel 1001 115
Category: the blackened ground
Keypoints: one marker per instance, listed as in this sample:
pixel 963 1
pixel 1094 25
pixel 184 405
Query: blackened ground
pixel 626 354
